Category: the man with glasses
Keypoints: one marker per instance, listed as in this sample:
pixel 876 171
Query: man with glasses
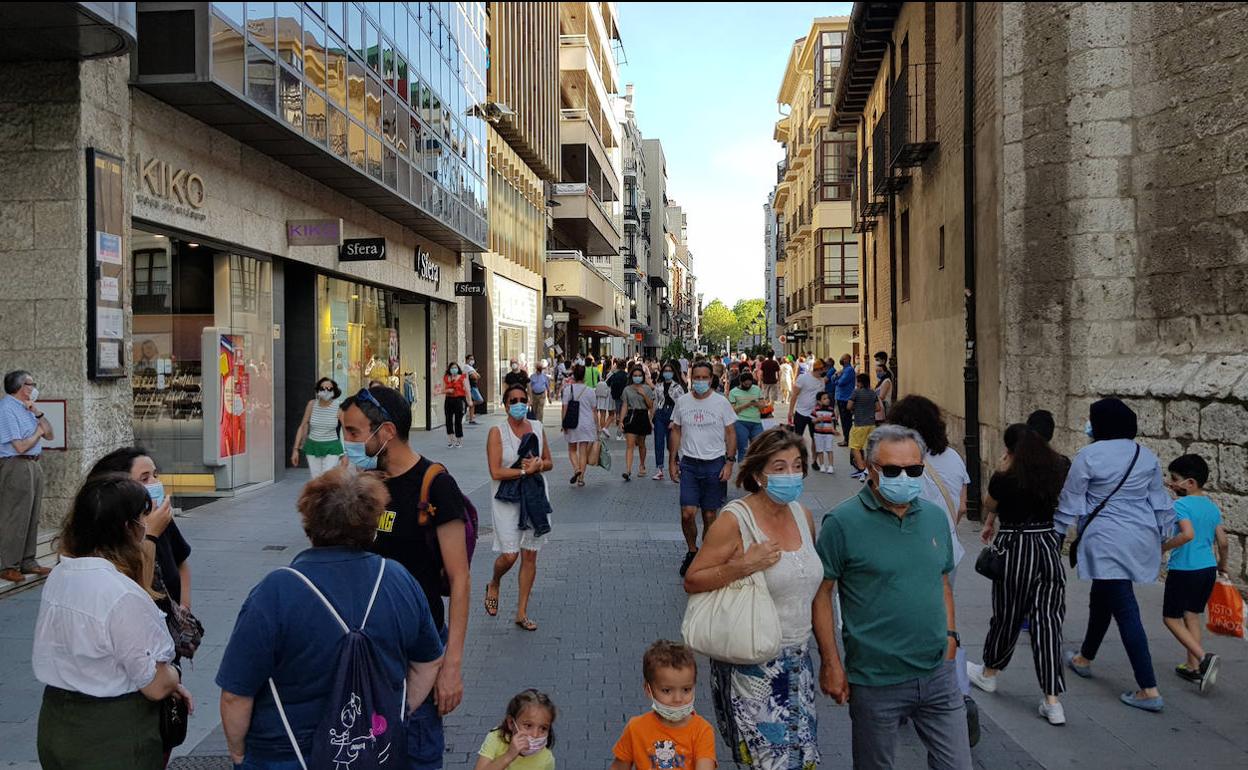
pixel 889 554
pixel 429 542
pixel 22 427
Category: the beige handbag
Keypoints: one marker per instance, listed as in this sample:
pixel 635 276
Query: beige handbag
pixel 737 623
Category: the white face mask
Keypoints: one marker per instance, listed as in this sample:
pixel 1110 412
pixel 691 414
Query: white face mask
pixel 325 395
pixel 672 713
pixel 34 394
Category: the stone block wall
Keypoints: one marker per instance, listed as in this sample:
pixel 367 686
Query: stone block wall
pixel 1124 211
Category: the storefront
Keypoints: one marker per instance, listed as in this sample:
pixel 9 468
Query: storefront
pixel 515 309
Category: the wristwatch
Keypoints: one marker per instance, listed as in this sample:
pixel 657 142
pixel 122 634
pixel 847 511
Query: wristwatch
pixel 955 637
pixel 39 416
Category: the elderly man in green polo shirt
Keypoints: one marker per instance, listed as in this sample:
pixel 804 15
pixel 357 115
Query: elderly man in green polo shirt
pixel 890 554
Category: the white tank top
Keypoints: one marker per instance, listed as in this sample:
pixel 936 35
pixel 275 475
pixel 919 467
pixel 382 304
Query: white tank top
pixel 793 581
pixel 511 448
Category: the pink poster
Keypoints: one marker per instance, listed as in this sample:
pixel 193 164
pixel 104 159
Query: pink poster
pixel 234 381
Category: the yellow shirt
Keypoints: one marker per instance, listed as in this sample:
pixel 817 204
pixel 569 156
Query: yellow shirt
pixel 494 747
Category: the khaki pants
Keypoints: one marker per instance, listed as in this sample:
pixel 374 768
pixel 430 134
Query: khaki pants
pixel 21 492
pixel 772 392
pixel 538 405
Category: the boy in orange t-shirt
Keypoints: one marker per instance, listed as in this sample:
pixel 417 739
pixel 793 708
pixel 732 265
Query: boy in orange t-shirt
pixel 670 736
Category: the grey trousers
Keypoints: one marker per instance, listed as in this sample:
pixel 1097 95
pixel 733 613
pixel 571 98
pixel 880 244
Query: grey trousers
pixel 21 492
pixel 934 704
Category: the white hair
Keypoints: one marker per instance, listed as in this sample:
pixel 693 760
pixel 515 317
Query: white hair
pixel 892 434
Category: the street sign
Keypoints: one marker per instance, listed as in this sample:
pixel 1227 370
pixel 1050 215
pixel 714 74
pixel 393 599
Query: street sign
pixel 798 336
pixel 362 250
pixel 470 288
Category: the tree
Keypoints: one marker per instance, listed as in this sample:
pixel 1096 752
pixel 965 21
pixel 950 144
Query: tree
pixel 719 324
pixel 750 321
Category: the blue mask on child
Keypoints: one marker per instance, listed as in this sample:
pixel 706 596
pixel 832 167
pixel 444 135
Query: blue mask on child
pixel 784 487
pixel 518 411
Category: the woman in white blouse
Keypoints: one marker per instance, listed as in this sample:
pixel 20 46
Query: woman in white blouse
pixel 101 645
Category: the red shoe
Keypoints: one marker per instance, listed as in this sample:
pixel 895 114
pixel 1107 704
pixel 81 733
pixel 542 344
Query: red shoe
pixel 12 575
pixel 37 570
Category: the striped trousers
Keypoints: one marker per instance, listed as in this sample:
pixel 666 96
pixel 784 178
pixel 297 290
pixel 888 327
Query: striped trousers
pixel 1034 589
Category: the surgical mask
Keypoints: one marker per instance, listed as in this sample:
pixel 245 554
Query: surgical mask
pixel 325 395
pixel 357 453
pixel 669 375
pixel 156 491
pixel 784 487
pixel 1087 428
pixel 454 370
pixel 514 367
pixel 34 394
pixel 701 386
pixel 535 745
pixel 637 380
pixel 901 489
pixel 518 411
pixel 672 713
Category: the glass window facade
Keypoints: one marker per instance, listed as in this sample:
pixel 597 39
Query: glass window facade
pixel 827 62
pixel 838 264
pixel 387 87
pixel 358 334
pixel 835 164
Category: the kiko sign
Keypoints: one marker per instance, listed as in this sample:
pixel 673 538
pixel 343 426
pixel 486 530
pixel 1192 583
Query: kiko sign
pixel 314 232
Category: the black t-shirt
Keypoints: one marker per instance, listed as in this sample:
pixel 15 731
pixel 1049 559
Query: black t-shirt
pixel 1016 505
pixel 516 378
pixel 618 381
pixel 171 550
pixel 403 537
pixel 771 371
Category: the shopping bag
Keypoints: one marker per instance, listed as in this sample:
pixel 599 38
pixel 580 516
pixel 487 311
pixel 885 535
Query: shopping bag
pixel 1226 609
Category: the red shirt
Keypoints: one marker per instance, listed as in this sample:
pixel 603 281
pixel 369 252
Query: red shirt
pixel 454 386
pixel 771 371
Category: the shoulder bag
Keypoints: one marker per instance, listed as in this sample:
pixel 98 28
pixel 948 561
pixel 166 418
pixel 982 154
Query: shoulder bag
pixel 737 623
pixel 1074 547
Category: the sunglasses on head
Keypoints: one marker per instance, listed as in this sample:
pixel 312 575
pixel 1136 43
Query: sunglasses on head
pixel 364 395
pixel 893 471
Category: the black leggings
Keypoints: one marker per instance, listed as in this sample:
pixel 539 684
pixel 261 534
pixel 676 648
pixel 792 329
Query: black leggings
pixel 454 408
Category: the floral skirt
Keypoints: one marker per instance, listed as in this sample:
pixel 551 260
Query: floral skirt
pixel 766 712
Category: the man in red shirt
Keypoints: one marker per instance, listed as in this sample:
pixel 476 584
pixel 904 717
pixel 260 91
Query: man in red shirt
pixel 771 377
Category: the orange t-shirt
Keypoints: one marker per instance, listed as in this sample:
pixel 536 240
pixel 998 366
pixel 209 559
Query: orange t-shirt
pixel 649 743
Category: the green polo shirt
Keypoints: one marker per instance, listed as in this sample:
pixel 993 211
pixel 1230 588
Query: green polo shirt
pixel 889 574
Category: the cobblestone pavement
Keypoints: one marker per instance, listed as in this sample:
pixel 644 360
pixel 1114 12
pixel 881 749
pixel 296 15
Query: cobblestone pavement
pixel 607 586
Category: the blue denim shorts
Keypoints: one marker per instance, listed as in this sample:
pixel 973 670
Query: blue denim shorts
pixel 700 486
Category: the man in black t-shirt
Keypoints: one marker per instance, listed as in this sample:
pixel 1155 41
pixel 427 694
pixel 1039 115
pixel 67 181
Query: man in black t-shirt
pixel 375 427
pixel 516 376
pixel 618 381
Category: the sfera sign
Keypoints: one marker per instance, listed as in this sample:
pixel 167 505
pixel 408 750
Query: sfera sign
pixel 362 250
pixel 426 268
pixel 470 289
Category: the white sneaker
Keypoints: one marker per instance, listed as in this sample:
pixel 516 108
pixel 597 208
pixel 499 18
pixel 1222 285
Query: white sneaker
pixel 831 471
pixel 975 672
pixel 1053 712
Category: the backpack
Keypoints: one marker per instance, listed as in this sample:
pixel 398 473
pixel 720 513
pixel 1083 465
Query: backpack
pixel 362 726
pixel 427 512
pixel 572 417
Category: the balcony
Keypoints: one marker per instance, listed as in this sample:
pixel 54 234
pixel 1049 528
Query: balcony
pixel 601 303
pixel 781 168
pixel 630 214
pixel 658 273
pixel 581 218
pixel 885 178
pixel 912 120
pixel 577 130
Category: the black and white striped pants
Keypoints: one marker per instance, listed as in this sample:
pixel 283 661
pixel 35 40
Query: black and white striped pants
pixel 1034 589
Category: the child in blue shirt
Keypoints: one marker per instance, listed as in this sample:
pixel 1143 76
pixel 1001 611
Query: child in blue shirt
pixel 1193 567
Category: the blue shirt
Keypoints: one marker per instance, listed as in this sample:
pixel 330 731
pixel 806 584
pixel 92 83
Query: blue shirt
pixel 285 632
pixel 539 382
pixel 1196 553
pixel 16 424
pixel 1124 543
pixel 845 383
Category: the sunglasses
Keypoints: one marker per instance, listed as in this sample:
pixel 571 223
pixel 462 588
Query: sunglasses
pixel 893 471
pixel 517 401
pixel 364 395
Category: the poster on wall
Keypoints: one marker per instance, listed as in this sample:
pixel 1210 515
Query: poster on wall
pixel 234 381
pixel 394 352
pixel 106 273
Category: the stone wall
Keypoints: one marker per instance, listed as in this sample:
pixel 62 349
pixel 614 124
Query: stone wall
pixel 1125 205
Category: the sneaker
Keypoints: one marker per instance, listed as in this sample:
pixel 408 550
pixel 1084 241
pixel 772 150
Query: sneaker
pixel 831 471
pixel 658 476
pixel 450 445
pixel 975 672
pixel 1053 712
pixel 627 476
pixel 1144 704
pixel 1208 671
pixel 1084 671
pixel 814 466
pixel 1187 674
pixel 684 565
pixel 972 720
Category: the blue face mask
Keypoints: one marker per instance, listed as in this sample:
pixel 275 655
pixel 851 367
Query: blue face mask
pixel 900 490
pixel 1087 428
pixel 454 370
pixel 518 411
pixel 784 487
pixel 669 375
pixel 701 386
pixel 638 380
pixel 357 453
pixel 156 491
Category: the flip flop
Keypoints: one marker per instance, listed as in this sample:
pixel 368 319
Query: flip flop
pixel 526 624
pixel 491 605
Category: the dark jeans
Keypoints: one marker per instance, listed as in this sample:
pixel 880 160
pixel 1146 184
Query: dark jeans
pixel 1115 599
pixel 662 418
pixel 454 409
pixel 847 420
pixel 933 704
pixel 426 740
pixel 746 432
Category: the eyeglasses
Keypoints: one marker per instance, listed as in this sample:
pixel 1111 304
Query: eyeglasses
pixel 517 401
pixel 364 395
pixel 893 471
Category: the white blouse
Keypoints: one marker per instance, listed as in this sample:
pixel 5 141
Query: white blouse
pixel 98 632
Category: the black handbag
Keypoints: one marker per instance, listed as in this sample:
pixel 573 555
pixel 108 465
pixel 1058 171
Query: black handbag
pixel 173 718
pixel 991 563
pixel 1074 547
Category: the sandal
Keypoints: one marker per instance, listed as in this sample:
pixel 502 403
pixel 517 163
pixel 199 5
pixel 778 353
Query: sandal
pixel 526 624
pixel 575 476
pixel 581 481
pixel 491 604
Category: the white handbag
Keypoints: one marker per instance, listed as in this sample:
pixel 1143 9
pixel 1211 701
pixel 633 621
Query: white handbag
pixel 737 623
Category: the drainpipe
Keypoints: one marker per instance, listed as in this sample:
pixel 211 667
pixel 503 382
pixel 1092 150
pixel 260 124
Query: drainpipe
pixel 892 231
pixel 970 371
pixel 863 271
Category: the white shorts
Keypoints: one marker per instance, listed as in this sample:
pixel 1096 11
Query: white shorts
pixel 508 537
pixel 824 442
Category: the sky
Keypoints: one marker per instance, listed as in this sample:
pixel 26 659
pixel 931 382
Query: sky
pixel 706 77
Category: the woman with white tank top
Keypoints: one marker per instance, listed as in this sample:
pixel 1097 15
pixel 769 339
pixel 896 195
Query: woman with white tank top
pixel 318 435
pixel 782 690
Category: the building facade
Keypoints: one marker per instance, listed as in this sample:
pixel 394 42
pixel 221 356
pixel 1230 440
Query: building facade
pixel 1105 203
pixel 262 200
pixel 812 195
pixel 773 277
pixel 660 242
pixel 637 212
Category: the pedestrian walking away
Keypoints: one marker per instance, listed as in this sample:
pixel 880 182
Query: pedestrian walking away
pixel 274 715
pixel 539 388
pixel 766 711
pixel 518 456
pixel 865 405
pixel 525 737
pixel 1022 496
pixel 703 446
pixel 318 436
pixel 637 417
pixel 424 528
pixel 769 376
pixel 746 397
pixel 455 388
pixel 617 381
pixel 580 427
pixel 23 427
pixel 671 387
pixel 888 554
pixel 802 405
pixel 1115 499
pixel 101 646
pixel 845 383
pixel 604 405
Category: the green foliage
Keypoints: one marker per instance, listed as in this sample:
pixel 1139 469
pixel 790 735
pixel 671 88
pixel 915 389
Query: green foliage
pixel 718 324
pixel 674 350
